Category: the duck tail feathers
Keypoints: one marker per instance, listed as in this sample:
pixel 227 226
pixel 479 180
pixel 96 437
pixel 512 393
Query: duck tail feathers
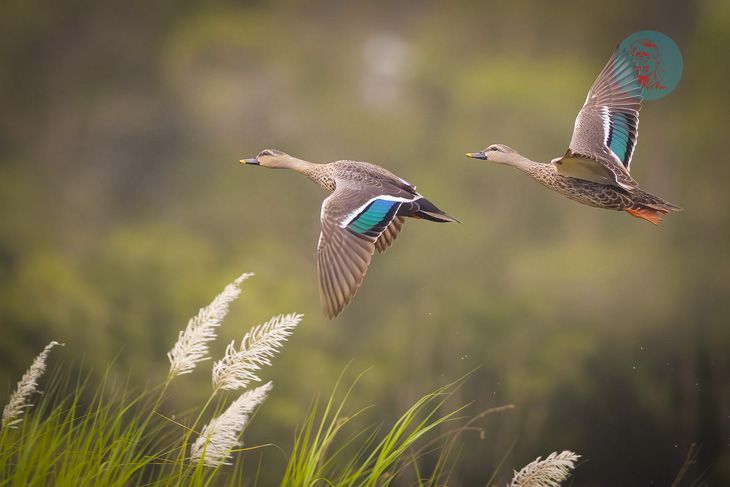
pixel 422 208
pixel 666 206
pixel 436 217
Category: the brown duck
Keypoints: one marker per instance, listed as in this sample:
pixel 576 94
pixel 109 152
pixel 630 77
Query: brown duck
pixel 364 212
pixel 595 169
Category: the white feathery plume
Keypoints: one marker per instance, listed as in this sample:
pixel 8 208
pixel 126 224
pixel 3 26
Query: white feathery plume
pixel 237 368
pixel 27 386
pixel 191 346
pixel 220 436
pixel 546 473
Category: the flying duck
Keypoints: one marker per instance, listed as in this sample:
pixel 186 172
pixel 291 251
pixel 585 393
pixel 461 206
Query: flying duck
pixel 595 169
pixel 365 212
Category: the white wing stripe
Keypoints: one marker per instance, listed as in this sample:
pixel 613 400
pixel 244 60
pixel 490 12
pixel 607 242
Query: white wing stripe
pixel 351 216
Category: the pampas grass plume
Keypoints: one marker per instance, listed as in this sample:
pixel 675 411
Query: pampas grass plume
pixel 220 436
pixel 192 343
pixel 546 473
pixel 238 367
pixel 27 386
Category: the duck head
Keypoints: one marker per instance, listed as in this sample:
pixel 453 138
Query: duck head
pixel 499 153
pixel 270 158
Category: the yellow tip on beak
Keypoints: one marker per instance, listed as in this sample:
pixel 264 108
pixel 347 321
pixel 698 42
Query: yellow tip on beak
pixel 242 161
pixel 468 154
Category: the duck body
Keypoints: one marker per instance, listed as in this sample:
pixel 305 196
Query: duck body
pixel 381 183
pixel 607 196
pixel 595 169
pixel 365 212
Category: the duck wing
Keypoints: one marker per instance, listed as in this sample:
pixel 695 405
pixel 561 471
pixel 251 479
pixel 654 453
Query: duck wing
pixel 607 127
pixel 389 235
pixel 355 221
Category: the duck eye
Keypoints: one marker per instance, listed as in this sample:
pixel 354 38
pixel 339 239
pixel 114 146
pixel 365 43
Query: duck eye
pixel 494 148
pixel 265 153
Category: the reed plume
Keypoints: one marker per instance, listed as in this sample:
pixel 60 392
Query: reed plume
pixel 192 343
pixel 546 473
pixel 238 367
pixel 220 436
pixel 27 386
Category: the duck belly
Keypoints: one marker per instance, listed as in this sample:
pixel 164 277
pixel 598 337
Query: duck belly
pixel 593 194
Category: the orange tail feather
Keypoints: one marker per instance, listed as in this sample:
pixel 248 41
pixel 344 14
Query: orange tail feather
pixel 646 214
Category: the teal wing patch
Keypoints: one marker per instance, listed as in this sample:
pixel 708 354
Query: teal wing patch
pixel 621 136
pixel 372 220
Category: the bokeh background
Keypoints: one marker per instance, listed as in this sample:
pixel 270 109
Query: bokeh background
pixel 124 210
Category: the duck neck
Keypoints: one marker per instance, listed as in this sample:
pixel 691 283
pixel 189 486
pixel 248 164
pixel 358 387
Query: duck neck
pixel 316 172
pixel 526 165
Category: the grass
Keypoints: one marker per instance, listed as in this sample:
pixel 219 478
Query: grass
pixel 69 441
pixel 112 434
pixel 318 456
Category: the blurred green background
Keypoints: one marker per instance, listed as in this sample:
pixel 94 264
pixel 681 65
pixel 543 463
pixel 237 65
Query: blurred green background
pixel 124 210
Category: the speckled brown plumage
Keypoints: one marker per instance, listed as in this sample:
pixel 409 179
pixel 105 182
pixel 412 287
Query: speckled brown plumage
pixel 360 173
pixel 595 194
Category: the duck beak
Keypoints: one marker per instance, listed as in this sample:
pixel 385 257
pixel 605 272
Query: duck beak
pixel 253 162
pixel 477 155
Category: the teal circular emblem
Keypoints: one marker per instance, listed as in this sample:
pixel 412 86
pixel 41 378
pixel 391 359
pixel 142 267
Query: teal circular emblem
pixel 657 62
